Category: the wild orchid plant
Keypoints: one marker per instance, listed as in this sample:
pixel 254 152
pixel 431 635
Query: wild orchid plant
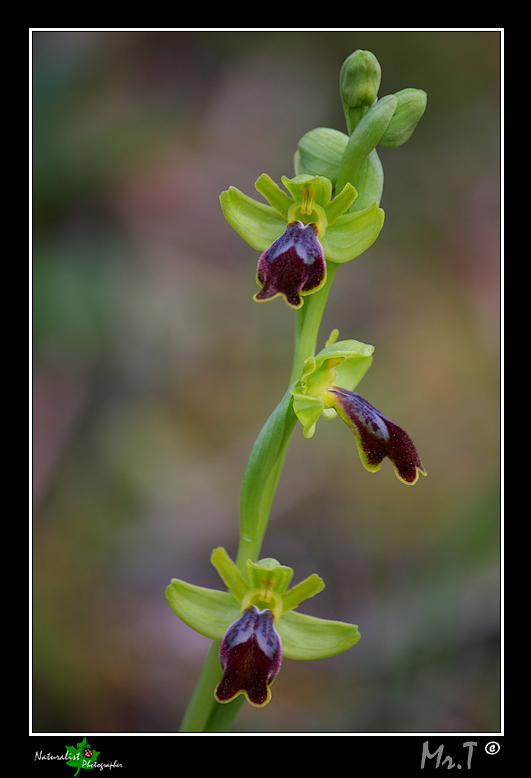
pixel 328 214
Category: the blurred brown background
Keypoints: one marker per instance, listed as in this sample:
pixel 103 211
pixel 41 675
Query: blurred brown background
pixel 154 371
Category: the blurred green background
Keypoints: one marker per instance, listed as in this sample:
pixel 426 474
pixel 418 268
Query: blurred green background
pixel 154 371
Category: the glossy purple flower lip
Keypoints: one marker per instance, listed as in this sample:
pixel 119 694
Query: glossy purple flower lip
pixel 377 436
pixel 250 654
pixel 293 265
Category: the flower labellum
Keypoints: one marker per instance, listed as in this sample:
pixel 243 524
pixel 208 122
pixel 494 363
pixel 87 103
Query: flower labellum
pixel 294 264
pixel 250 654
pixel 377 436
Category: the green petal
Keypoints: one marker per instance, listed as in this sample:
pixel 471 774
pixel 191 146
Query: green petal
pixel 302 591
pixel 255 222
pixel 307 637
pixel 341 203
pixel 274 194
pixel 229 573
pixel 208 611
pixel 352 234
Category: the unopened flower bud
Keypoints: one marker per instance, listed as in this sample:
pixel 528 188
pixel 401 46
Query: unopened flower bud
pixel 410 107
pixel 359 83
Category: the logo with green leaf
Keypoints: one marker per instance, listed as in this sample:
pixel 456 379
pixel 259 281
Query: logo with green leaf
pixel 82 757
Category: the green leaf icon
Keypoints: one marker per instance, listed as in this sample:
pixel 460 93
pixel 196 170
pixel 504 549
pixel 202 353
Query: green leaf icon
pixel 82 756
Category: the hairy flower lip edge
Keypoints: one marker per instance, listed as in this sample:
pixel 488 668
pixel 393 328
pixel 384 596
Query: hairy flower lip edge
pixel 385 440
pixel 239 677
pixel 296 271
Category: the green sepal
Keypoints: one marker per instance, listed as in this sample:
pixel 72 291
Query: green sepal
pixel 322 186
pixel 229 573
pixel 365 138
pixel 272 570
pixel 352 234
pixel 302 591
pixel 409 111
pixel 308 637
pixel 258 224
pixel 320 152
pixel 355 356
pixel 208 611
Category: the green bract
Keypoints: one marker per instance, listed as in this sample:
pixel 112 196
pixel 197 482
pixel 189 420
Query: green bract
pixel 343 235
pixel 211 612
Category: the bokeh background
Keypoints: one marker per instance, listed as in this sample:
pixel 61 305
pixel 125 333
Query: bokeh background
pixel 154 371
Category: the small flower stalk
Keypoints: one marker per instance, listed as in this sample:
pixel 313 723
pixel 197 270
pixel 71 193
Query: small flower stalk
pixel 304 230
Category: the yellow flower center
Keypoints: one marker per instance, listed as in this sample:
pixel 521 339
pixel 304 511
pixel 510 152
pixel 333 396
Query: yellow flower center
pixel 265 597
pixel 308 194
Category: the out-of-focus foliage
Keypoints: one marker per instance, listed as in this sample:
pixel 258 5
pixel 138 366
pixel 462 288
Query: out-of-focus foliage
pixel 154 371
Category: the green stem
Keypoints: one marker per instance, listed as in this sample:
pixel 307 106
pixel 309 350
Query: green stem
pixel 204 713
pixel 249 547
pixel 308 323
